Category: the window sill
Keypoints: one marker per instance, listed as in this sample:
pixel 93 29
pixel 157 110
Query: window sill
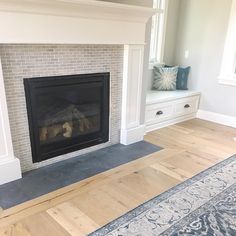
pixel 227 80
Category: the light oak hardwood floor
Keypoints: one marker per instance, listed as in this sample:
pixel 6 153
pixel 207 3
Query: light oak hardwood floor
pixel 189 148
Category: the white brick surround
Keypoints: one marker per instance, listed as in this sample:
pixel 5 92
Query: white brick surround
pixel 26 61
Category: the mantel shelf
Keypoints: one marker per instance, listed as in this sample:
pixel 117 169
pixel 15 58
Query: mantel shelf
pixel 92 9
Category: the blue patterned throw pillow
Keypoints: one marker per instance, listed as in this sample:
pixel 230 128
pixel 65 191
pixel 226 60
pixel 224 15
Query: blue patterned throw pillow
pixel 182 78
pixel 164 78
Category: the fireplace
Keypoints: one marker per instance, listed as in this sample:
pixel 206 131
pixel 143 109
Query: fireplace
pixel 67 113
pixel 78 37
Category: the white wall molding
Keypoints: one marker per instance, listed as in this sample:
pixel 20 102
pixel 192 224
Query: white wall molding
pixel 131 128
pixel 227 73
pixel 9 170
pixel 9 165
pixel 129 136
pixel 217 118
pixel 229 81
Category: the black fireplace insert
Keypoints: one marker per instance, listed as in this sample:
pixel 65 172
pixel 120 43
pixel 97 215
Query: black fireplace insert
pixel 67 113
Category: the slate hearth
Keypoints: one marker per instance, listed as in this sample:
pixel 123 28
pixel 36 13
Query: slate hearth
pixel 47 179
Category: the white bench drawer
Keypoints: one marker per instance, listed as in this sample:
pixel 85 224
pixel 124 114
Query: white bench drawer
pixel 186 106
pixel 170 107
pixel 157 113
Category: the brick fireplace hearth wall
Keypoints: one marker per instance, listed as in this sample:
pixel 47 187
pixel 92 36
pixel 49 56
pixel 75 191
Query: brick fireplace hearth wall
pixel 26 61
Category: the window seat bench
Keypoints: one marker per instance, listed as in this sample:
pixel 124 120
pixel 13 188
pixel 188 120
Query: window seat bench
pixel 164 108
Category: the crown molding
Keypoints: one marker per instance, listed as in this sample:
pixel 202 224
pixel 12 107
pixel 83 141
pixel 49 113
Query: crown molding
pixel 91 9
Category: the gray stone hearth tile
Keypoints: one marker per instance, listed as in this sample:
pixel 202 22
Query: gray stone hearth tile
pixel 46 179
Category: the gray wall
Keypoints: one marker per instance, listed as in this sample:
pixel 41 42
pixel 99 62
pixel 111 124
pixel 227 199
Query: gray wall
pixel 171 31
pixel 202 31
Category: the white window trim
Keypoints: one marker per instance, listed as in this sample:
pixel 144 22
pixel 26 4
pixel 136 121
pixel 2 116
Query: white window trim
pixel 161 42
pixel 227 81
pixel 228 74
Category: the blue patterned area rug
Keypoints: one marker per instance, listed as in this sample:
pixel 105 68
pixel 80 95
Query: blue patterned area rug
pixel 204 205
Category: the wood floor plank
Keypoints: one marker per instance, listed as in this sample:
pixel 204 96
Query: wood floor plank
pixel 173 171
pixel 189 163
pixel 107 206
pixel 149 182
pixel 112 200
pixel 194 142
pixel 74 221
pixel 15 230
pixel 43 224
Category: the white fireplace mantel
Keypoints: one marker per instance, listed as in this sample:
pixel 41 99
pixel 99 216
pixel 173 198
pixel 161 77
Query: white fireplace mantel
pixel 80 8
pixel 76 22
pixel 72 21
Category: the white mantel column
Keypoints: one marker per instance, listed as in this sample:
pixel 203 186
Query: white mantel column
pixel 132 130
pixel 9 165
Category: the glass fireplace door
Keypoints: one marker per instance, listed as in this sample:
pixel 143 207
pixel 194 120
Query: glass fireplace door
pixel 67 113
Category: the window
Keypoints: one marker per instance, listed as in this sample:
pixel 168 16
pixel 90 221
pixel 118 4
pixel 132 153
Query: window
pixel 228 67
pixel 234 60
pixel 158 32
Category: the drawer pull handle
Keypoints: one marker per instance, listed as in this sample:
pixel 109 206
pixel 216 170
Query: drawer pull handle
pixel 187 106
pixel 159 113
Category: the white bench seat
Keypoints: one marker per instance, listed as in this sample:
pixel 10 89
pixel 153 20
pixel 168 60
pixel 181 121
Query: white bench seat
pixel 165 108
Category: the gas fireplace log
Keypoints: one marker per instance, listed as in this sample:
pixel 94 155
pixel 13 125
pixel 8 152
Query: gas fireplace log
pixel 84 123
pixel 68 127
pixel 63 115
pixel 67 114
pixel 43 134
pixel 56 127
pixel 54 131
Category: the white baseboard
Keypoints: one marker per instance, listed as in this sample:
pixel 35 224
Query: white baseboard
pixel 133 135
pixel 9 170
pixel 217 118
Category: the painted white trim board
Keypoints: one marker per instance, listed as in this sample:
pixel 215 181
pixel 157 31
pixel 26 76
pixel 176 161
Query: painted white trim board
pixel 134 135
pixel 9 165
pixel 132 130
pixel 217 118
pixel 10 170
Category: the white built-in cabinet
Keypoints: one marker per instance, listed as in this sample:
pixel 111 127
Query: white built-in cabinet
pixel 165 108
